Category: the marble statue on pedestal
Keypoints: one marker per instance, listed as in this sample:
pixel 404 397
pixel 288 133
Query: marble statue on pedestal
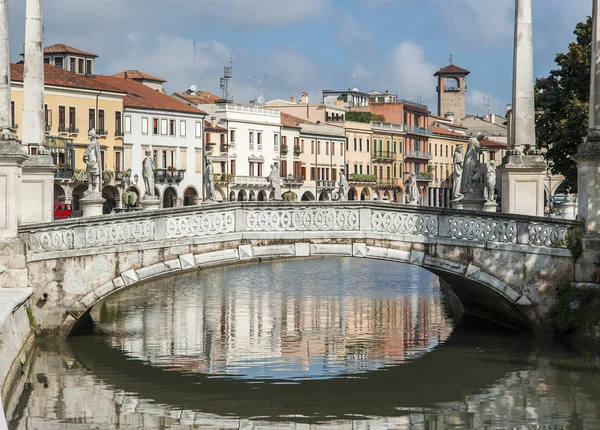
pixel 343 187
pixel 148 167
pixel 457 162
pixel 93 160
pixel 490 182
pixel 209 182
pixel 471 167
pixel 275 181
pixel 412 191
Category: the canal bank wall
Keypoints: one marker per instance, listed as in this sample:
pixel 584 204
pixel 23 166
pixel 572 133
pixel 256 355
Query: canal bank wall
pixel 16 340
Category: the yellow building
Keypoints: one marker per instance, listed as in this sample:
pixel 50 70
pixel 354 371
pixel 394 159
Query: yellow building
pixel 387 159
pixel 74 104
pixel 361 177
pixel 442 144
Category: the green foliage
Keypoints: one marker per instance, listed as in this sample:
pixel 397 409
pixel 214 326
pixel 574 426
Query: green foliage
pixel 30 317
pixel 290 197
pixel 365 117
pixel 79 175
pixel 363 178
pixel 108 175
pixel 562 100
pixel 585 318
pixel 573 244
pixel 129 198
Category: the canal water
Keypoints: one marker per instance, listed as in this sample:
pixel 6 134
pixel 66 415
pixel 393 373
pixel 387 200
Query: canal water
pixel 300 344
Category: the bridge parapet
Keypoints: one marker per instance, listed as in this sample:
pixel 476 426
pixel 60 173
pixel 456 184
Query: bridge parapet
pixel 348 219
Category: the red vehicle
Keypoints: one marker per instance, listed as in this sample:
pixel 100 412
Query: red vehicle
pixel 62 210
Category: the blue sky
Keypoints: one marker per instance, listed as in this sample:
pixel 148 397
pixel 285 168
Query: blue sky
pixel 309 45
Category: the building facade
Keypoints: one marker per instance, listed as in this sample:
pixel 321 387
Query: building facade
pixel 361 176
pixel 387 159
pixel 75 104
pixel 313 112
pixel 174 133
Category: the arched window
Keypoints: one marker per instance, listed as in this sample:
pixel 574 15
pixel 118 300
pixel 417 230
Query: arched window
pixel 452 84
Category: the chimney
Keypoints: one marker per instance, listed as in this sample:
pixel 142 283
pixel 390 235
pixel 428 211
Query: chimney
pixel 292 99
pixel 126 75
pixel 386 91
pixel 304 99
pixel 252 103
pixel 213 121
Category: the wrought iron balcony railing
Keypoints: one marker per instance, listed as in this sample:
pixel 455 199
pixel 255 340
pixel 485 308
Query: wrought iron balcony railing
pixel 419 154
pixel 291 181
pixel 169 175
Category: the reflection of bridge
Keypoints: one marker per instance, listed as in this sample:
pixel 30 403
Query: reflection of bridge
pixel 503 267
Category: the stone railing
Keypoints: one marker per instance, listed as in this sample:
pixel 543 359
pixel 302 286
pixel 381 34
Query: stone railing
pixel 380 220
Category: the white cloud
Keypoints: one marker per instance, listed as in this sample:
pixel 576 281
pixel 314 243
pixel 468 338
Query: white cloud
pixel 410 74
pixel 478 101
pixel 355 37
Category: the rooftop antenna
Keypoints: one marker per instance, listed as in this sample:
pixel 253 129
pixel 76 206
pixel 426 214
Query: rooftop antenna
pixel 225 81
pixel 194 69
pixel 353 76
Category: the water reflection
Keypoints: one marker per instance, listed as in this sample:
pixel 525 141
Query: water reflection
pixel 294 320
pixel 336 343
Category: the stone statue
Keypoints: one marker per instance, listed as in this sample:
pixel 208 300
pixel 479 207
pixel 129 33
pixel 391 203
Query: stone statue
pixel 93 160
pixel 209 182
pixel 275 181
pixel 490 182
pixel 412 191
pixel 343 187
pixel 457 162
pixel 148 166
pixel 471 168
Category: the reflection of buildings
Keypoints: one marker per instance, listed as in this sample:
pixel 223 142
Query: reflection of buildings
pixel 220 330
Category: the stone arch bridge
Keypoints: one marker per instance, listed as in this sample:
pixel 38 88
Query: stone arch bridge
pixel 502 267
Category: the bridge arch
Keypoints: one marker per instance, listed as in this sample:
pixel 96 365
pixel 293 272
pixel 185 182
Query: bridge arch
pixel 503 267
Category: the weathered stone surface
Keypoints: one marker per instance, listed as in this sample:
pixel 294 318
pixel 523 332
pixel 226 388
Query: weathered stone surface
pixel 246 252
pixel 274 251
pixel 217 257
pixel 187 261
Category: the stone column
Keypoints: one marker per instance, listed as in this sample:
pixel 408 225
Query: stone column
pixel 523 168
pixel 588 166
pixel 523 118
pixel 38 171
pixel 4 68
pixel 34 133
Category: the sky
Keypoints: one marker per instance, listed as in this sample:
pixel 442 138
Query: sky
pixel 310 45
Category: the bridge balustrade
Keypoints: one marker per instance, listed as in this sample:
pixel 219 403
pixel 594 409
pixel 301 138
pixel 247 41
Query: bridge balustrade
pixel 215 222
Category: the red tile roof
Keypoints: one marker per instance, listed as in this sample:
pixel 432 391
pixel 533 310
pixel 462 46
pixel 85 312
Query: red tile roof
pixel 200 97
pixel 217 128
pixel 292 121
pixel 61 48
pixel 144 97
pixel 445 131
pixel 137 75
pixel 451 69
pixel 63 78
pixel 486 143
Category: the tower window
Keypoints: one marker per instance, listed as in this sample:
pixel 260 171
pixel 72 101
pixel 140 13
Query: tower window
pixel 452 84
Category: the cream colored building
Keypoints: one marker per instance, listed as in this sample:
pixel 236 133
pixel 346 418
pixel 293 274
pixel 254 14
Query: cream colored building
pixel 361 176
pixel 387 159
pixel 442 144
pixel 74 104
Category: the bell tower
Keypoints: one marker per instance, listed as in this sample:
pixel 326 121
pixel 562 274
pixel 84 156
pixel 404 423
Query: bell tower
pixel 452 91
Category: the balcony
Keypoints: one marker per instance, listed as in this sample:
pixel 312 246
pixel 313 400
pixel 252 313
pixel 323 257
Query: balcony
pixel 326 185
pixel 419 155
pixel 417 130
pixel 63 172
pixel 169 175
pixel 284 149
pixel 224 147
pixel 249 180
pixel 210 147
pixel 119 134
pixel 222 178
pixel 452 89
pixel 297 151
pixel 398 128
pixel 72 130
pixel 388 182
pixel 291 181
pixel 356 177
pixel 384 155
pixel 422 177
pixel 101 132
pixel 62 129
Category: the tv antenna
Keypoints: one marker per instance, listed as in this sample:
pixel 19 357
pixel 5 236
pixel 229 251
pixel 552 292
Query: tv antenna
pixel 353 76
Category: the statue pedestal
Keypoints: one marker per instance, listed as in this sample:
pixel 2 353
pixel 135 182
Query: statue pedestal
pixel 37 189
pixel 473 204
pixel 151 203
pixel 522 177
pixel 457 204
pixel 568 210
pixel 91 204
pixel 490 206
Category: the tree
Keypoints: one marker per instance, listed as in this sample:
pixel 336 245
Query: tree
pixel 562 101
